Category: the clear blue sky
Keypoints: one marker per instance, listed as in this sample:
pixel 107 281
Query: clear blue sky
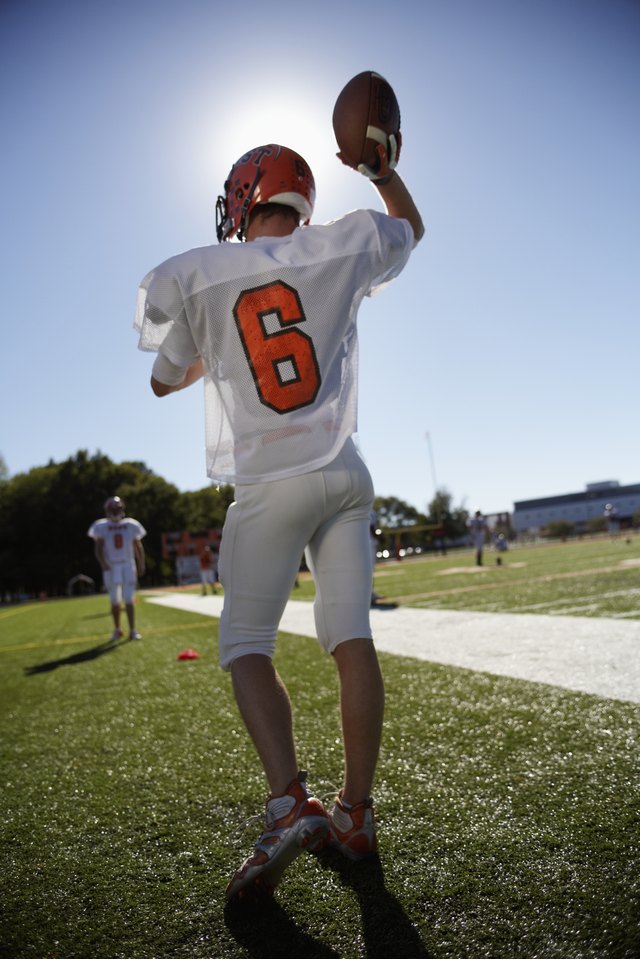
pixel 512 338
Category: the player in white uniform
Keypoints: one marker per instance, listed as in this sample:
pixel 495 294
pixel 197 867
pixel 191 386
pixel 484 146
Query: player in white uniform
pixel 611 517
pixel 271 324
pixel 118 550
pixel 478 531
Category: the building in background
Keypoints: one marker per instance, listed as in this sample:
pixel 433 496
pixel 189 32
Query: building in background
pixel 530 516
pixel 182 549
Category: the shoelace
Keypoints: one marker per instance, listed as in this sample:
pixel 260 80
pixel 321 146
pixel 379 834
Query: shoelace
pixel 327 792
pixel 236 835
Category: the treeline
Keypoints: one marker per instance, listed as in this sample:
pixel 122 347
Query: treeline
pixel 45 515
pixel 46 512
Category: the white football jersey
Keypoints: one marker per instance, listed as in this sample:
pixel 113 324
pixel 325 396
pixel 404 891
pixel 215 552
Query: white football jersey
pixel 118 536
pixel 274 321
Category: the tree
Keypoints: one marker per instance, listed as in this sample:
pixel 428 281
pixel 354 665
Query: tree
pixel 393 512
pixel 45 515
pixel 596 525
pixel 452 520
pixel 207 508
pixel 559 529
pixel 159 507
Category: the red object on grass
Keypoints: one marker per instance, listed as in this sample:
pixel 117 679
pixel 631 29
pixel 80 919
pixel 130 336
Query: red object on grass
pixel 189 654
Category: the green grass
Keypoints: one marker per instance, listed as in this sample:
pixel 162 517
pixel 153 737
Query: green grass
pixel 509 811
pixel 598 577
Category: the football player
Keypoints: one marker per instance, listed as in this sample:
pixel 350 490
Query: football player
pixel 477 525
pixel 271 324
pixel 118 550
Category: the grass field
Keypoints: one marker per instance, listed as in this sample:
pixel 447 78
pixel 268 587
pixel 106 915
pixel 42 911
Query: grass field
pixel 509 811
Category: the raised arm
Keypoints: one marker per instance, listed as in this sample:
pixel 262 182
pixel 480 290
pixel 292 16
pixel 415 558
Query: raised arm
pixel 399 202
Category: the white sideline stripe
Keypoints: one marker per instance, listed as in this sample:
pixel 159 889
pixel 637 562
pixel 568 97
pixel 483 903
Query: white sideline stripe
pixel 588 654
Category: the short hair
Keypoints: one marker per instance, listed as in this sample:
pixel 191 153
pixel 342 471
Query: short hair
pixel 268 210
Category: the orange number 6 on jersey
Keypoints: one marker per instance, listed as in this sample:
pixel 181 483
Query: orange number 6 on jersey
pixel 283 363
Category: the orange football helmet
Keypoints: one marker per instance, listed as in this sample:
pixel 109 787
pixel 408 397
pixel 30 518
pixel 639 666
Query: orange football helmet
pixel 271 173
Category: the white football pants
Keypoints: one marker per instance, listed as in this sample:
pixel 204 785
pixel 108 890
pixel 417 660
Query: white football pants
pixel 120 582
pixel 324 514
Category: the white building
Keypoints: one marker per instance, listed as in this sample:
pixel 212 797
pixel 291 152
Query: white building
pixel 578 508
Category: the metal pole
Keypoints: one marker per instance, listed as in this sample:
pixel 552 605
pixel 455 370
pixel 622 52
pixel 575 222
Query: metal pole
pixel 433 466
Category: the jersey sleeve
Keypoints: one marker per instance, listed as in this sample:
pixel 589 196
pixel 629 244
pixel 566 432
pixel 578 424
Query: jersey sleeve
pixel 161 318
pixel 140 531
pixel 395 244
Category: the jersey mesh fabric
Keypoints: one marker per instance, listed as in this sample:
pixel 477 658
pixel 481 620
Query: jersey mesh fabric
pixel 275 323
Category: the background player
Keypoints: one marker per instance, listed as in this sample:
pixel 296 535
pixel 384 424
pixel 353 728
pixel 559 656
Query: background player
pixel 611 517
pixel 272 325
pixel 118 549
pixel 208 569
pixel 478 531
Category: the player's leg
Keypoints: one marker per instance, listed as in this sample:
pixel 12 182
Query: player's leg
pixel 128 590
pixel 264 705
pixel 340 563
pixel 340 558
pixel 115 595
pixel 115 614
pixel 263 539
pixel 362 713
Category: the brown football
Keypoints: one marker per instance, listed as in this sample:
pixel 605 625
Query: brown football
pixel 367 100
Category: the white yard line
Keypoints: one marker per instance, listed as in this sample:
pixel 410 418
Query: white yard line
pixel 588 654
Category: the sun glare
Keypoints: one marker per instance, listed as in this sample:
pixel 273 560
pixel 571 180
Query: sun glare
pixel 300 120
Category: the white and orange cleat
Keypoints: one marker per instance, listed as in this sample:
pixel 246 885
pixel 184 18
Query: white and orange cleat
pixel 295 822
pixel 352 829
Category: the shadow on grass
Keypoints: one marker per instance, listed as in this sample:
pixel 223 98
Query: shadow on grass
pixel 386 928
pixel 83 657
pixel 264 929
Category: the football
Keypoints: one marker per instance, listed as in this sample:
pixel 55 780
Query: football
pixel 367 103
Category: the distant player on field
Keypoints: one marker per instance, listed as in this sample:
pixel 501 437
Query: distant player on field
pixel 611 516
pixel 477 525
pixel 208 571
pixel 118 550
pixel 272 326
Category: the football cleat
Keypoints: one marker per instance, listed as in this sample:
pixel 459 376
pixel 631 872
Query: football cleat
pixel 295 822
pixel 352 829
pixel 134 635
pixel 116 634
